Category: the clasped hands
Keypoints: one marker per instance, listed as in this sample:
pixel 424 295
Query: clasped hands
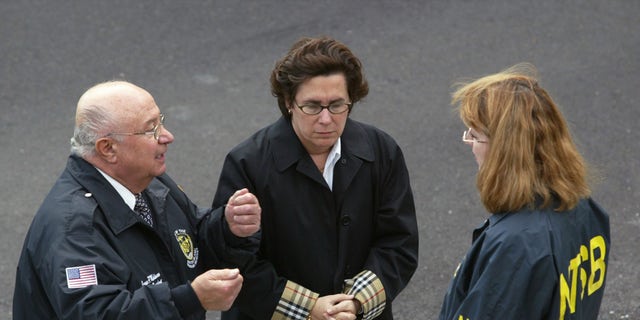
pixel 335 307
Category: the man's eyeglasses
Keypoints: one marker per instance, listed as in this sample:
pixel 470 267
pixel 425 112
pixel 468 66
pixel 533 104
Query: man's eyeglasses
pixel 468 137
pixel 337 107
pixel 155 131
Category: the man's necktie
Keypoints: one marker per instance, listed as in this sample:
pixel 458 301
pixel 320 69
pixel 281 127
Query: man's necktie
pixel 142 208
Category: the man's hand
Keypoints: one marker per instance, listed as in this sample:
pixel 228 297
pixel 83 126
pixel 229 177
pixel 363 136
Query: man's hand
pixel 217 289
pixel 337 306
pixel 243 213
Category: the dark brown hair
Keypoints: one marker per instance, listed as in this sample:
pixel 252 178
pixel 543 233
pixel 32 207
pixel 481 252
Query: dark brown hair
pixel 310 57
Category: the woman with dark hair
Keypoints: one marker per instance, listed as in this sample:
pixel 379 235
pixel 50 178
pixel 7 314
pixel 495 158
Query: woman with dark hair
pixel 543 252
pixel 339 232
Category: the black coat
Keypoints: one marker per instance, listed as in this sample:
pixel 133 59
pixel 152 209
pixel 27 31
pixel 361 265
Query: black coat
pixel 317 237
pixel 142 273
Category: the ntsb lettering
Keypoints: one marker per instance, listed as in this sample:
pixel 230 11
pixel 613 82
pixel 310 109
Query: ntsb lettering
pixel 594 257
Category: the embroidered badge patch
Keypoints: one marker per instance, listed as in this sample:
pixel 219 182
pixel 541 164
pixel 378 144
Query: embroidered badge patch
pixel 81 276
pixel 186 245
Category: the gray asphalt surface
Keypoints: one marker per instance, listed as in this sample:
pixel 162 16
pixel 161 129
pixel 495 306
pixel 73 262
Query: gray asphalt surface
pixel 207 63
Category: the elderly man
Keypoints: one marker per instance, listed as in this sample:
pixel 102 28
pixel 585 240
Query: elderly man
pixel 117 238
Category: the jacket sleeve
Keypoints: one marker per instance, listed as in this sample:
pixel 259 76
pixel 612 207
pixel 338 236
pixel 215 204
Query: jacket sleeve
pixel 367 288
pixel 223 248
pixel 393 257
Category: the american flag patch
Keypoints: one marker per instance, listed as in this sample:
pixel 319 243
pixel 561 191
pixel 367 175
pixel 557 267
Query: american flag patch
pixel 82 276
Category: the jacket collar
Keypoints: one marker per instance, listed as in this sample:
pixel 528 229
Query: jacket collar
pixel 287 148
pixel 118 215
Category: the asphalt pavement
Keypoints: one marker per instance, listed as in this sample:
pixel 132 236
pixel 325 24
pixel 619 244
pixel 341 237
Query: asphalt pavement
pixel 207 63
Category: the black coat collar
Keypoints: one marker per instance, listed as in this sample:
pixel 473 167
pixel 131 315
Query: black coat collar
pixel 288 149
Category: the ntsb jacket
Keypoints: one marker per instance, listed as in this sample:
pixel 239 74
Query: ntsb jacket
pixel 141 273
pixel 533 264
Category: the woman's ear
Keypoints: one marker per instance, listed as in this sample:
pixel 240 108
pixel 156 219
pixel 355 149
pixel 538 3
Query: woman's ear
pixel 287 103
